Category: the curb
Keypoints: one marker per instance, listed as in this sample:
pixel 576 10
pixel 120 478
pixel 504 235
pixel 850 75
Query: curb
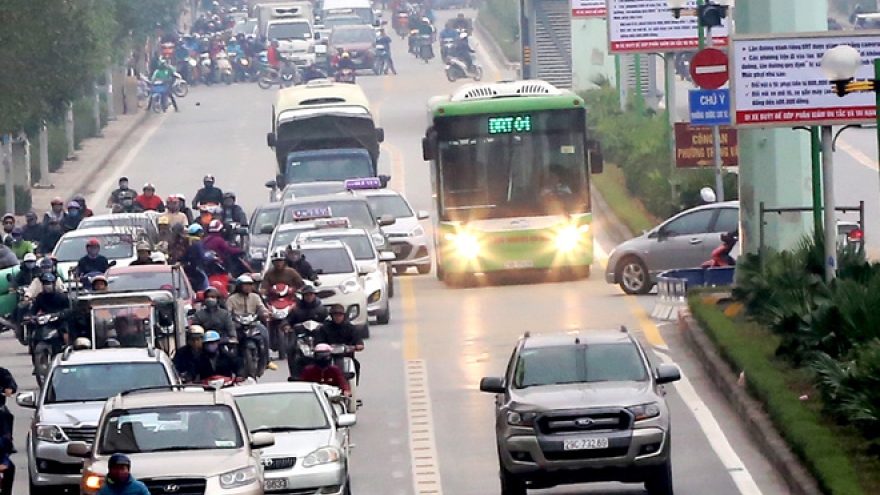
pixel 494 49
pixel 616 230
pixel 757 422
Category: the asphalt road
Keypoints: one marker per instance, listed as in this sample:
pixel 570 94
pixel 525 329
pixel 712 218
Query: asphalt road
pixel 455 335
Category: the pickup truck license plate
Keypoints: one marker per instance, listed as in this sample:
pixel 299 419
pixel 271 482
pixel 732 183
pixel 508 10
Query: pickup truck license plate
pixel 519 264
pixel 276 484
pixel 585 443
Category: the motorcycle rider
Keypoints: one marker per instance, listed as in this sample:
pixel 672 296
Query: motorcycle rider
pixel 186 357
pixel 339 330
pixel 461 22
pixel 51 236
pixel 56 212
pixel 185 209
pixel 86 211
pixel 119 480
pixel 212 316
pixel 448 35
pixel 244 300
pixel 233 212
pixel 27 272
pixel 8 388
pixel 309 308
pixel 312 72
pixel 345 63
pixel 148 200
pixel 73 217
pixel 216 361
pixel 115 196
pixel 8 224
pixel 32 230
pixel 384 39
pixel 281 273
pixel 208 194
pixel 20 246
pixel 93 261
pixel 144 253
pixel 45 265
pixel 190 254
pixel 297 261
pixel 7 256
pixel 462 50
pixel 50 301
pixel 164 74
pixel 324 371
pixel 172 212
pixel 215 241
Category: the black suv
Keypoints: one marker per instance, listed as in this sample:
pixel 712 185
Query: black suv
pixel 582 407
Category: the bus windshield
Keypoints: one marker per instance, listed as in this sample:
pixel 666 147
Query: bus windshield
pixel 491 170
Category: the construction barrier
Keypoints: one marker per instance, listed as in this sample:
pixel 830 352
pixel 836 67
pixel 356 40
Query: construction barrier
pixel 672 288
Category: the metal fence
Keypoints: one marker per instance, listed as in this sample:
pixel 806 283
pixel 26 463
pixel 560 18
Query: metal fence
pixel 673 285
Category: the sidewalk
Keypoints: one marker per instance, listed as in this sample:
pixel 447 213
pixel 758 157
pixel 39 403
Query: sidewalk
pixel 82 176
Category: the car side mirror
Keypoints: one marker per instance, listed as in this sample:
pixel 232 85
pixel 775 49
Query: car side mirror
pixel 386 220
pixel 112 263
pixel 594 156
pixel 492 385
pixel 380 134
pixel 346 420
pixel 272 184
pixel 429 149
pixel 240 231
pixel 79 449
pixel 267 228
pixel 366 270
pixel 27 399
pixel 262 440
pixel 270 139
pixel 387 256
pixel 423 215
pixel 667 373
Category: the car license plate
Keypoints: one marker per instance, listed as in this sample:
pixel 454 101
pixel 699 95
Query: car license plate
pixel 519 264
pixel 276 484
pixel 585 443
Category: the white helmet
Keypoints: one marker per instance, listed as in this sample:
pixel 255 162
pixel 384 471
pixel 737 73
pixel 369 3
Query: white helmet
pixel 279 254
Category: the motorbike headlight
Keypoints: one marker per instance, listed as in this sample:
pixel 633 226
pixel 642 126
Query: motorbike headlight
pixel 515 418
pixel 239 477
pixel 465 243
pixel 257 253
pixel 645 411
pixel 244 62
pixel 349 286
pixel 192 62
pixel 417 232
pixel 51 433
pixel 324 455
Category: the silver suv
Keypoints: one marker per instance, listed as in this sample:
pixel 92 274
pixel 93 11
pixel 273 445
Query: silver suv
pixel 69 405
pixel 582 407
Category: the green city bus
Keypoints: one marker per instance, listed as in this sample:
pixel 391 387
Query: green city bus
pixel 511 164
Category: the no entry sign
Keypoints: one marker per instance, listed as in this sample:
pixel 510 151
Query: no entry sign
pixel 709 68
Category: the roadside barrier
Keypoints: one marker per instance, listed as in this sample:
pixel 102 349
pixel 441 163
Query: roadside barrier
pixel 672 288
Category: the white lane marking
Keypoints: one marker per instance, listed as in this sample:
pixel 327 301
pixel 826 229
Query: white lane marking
pixel 741 476
pixel 857 154
pixel 422 447
pixel 100 196
pixel 490 62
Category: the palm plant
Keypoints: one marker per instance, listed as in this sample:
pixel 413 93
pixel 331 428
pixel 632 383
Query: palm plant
pixel 851 387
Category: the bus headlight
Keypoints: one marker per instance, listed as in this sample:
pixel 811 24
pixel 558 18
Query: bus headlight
pixel 569 237
pixel 465 243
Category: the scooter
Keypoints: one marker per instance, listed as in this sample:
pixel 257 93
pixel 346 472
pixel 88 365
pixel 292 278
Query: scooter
pixel 343 357
pixel 380 63
pixel 45 342
pixel 220 381
pixel 345 76
pixel 426 47
pixel 206 72
pixel 158 98
pixel 446 45
pixel 224 68
pixel 301 352
pixel 721 255
pixel 250 344
pixel 456 69
pixel 179 85
pixel 281 300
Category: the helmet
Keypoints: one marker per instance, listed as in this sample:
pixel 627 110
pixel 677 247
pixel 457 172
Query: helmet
pixel 119 460
pixel 16 231
pixel 337 309
pixel 279 254
pixel 308 289
pixel 460 15
pixel 74 204
pixel 149 185
pixel 213 290
pixel 46 264
pixel 163 221
pixel 172 197
pixel 123 178
pixel 99 278
pixel 57 201
pixel 82 343
pixel 180 197
pixel 94 242
pixel 208 178
pixel 229 194
pixel 79 198
pixel 425 19
pixel 323 348
pixel 194 229
pixel 196 330
pixel 47 278
pixel 462 35
pixel 211 336
pixel 29 257
pixel 9 216
pixel 215 226
pixel 244 279
pixel 143 246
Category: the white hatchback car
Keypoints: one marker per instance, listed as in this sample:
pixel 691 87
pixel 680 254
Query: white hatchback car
pixel 407 237
pixel 368 259
pixel 117 244
pixel 342 281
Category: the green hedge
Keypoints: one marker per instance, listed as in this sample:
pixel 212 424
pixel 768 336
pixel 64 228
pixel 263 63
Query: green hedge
pixel 750 347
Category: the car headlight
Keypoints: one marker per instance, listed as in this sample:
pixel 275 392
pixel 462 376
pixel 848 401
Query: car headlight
pixel 51 433
pixel 239 477
pixel 379 239
pixel 349 286
pixel 569 237
pixel 324 455
pixel 417 232
pixel 353 312
pixel 93 481
pixel 257 253
pixel 374 297
pixel 515 418
pixel 465 243
pixel 645 411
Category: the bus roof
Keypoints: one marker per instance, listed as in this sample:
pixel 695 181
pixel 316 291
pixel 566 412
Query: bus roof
pixel 503 96
pixel 320 93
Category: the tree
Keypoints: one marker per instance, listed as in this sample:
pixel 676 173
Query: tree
pixel 139 19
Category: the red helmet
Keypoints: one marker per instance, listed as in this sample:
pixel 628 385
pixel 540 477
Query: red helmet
pixel 94 242
pixel 215 226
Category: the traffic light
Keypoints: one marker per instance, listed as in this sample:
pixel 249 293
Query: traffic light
pixel 710 14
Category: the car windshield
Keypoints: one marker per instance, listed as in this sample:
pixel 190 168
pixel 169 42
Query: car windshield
pixel 168 429
pixel 289 31
pixel 390 205
pixel 282 411
pixel 328 168
pixel 245 27
pixel 357 212
pixel 361 245
pixel 341 36
pixel 284 237
pixel 114 246
pixel 265 216
pixel 555 365
pixel 329 261
pixel 331 22
pixel 143 281
pixel 114 221
pixel 312 189
pixel 97 382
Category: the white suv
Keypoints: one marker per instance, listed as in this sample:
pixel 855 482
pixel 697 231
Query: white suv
pixel 69 405
pixel 342 281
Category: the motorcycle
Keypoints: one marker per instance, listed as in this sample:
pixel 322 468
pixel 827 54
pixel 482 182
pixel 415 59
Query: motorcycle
pixel 456 69
pixel 224 68
pixel 280 300
pixel 301 352
pixel 240 65
pixel 206 71
pixel 220 381
pixel 158 98
pixel 380 63
pixel 179 85
pixel 401 24
pixel 126 201
pixel 343 357
pixel 285 77
pixel 446 45
pixel 345 76
pixel 721 255
pixel 46 341
pixel 250 344
pixel 426 47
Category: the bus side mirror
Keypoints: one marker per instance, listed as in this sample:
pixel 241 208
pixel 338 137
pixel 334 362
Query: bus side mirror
pixel 594 156
pixel 271 184
pixel 270 139
pixel 380 134
pixel 429 149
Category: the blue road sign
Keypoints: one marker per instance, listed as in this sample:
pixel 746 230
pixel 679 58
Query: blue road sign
pixel 710 107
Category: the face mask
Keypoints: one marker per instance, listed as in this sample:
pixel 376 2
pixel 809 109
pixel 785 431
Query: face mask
pixel 209 185
pixel 212 348
pixel 323 361
pixel 7 228
pixel 211 302
pixel 30 264
pixel 74 212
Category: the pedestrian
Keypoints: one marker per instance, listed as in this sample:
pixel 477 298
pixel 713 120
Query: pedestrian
pixel 7 387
